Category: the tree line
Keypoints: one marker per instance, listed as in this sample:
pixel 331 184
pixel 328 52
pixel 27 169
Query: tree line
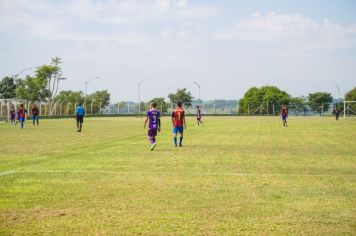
pixel 43 86
pixel 265 98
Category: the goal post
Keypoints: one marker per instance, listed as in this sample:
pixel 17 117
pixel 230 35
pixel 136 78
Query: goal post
pixel 349 106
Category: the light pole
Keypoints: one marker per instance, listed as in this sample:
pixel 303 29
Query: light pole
pixel 86 89
pixel 139 94
pixel 17 75
pixel 338 89
pixel 195 82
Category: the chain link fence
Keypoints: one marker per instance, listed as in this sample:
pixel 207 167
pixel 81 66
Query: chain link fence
pixel 213 107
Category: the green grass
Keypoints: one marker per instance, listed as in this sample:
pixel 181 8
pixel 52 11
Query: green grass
pixel 233 176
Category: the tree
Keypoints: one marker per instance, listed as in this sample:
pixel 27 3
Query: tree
pixel 320 101
pixel 102 97
pixel 162 105
pixel 142 106
pixel 99 99
pixel 7 88
pixel 262 99
pixel 351 96
pixel 69 96
pixel 121 105
pixel 32 89
pixel 52 74
pixel 300 103
pixel 181 95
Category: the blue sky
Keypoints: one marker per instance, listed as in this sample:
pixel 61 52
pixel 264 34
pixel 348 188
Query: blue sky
pixel 227 46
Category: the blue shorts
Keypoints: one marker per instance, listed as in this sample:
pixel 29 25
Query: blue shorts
pixel 22 119
pixel 34 117
pixel 178 129
pixel 284 117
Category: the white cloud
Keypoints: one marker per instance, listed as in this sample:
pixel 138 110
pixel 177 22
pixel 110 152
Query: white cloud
pixel 282 28
pixel 97 21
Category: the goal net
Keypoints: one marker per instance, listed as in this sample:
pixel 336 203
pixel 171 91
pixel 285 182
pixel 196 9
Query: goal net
pixel 349 109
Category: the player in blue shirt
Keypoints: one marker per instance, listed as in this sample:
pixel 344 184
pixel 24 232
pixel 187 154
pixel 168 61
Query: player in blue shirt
pixel 80 112
pixel 154 124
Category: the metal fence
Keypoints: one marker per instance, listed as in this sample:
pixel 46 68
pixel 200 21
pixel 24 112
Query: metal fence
pixel 46 109
pixel 214 107
pixel 207 107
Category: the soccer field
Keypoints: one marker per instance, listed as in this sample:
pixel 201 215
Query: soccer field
pixel 235 175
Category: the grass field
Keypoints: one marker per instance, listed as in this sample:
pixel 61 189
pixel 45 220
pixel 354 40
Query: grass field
pixel 233 176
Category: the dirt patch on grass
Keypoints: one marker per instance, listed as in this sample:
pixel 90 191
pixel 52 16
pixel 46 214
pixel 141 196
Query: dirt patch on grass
pixel 23 216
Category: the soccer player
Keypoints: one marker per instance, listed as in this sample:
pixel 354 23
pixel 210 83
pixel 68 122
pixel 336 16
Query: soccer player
pixel 154 124
pixel 199 116
pixel 80 112
pixel 337 113
pixel 12 116
pixel 284 115
pixel 35 113
pixel 21 114
pixel 178 121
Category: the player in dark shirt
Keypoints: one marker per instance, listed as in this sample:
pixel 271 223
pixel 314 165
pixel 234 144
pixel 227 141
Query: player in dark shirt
pixel 178 121
pixel 337 113
pixel 35 113
pixel 199 116
pixel 21 114
pixel 154 124
pixel 12 116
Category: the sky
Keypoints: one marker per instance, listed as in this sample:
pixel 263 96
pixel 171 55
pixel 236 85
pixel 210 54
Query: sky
pixel 226 46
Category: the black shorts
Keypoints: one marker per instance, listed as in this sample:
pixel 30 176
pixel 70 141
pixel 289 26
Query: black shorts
pixel 80 119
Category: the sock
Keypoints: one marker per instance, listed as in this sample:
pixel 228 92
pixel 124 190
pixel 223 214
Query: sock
pixel 80 126
pixel 180 140
pixel 151 140
pixel 21 125
pixel 154 140
pixel 175 141
pixel 77 125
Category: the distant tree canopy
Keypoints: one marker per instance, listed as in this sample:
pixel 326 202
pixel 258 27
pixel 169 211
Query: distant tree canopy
pixel 51 74
pixel 69 96
pixel 299 103
pixel 102 97
pixel 162 105
pixel 265 96
pixel 97 98
pixel 351 95
pixel 319 101
pixel 32 89
pixel 7 87
pixel 181 95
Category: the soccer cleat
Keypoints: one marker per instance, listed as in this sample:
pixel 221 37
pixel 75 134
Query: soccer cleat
pixel 153 147
pixel 180 145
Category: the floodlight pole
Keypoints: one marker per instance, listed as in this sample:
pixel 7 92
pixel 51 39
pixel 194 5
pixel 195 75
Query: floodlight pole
pixel 139 95
pixel 18 74
pixel 86 89
pixel 195 82
pixel 338 89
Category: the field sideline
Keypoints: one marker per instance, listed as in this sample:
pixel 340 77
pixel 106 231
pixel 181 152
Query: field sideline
pixel 235 175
